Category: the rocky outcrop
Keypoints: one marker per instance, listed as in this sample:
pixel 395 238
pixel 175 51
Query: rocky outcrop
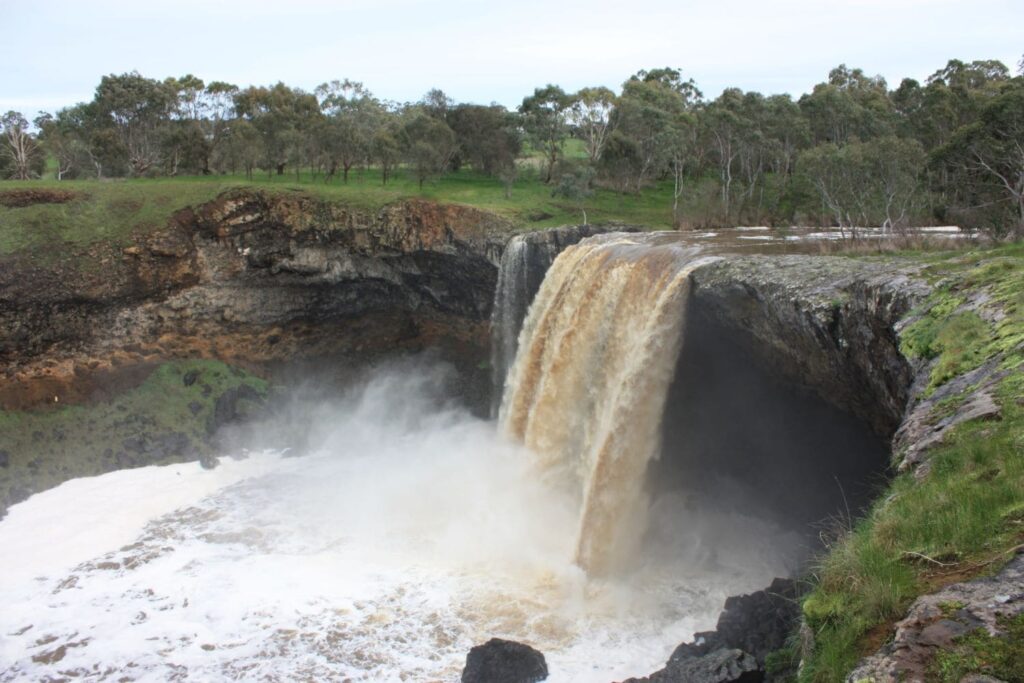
pixel 936 622
pixel 826 323
pixel 927 423
pixel 504 661
pixel 719 666
pixel 749 629
pixel 251 278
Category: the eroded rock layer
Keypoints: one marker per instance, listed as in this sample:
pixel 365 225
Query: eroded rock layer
pixel 251 278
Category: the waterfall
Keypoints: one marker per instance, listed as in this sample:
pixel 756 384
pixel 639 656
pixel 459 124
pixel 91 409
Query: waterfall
pixel 511 299
pixel 524 262
pixel 586 391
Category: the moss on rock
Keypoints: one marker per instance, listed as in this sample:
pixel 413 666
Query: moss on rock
pixel 168 418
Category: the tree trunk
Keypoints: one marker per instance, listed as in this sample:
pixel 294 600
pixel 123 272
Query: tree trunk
pixel 280 169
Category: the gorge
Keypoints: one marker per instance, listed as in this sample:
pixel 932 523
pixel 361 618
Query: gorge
pixel 679 423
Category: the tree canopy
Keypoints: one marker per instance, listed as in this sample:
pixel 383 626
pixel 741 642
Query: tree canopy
pixel 850 151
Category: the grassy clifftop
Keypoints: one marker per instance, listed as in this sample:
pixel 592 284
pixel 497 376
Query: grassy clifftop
pixel 112 212
pixel 964 517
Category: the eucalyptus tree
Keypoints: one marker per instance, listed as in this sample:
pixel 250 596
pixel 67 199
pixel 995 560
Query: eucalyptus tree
pixel 219 108
pixel 951 98
pixel 647 114
pixel 863 183
pixel 241 147
pixel 386 146
pixel 986 163
pixel 436 103
pixel 590 115
pixel 61 138
pixel 20 147
pixel 545 120
pixel 723 125
pixel 488 136
pixel 574 183
pixel 282 115
pixel 682 142
pixel 136 110
pixel 850 106
pixel 428 144
pixel 352 116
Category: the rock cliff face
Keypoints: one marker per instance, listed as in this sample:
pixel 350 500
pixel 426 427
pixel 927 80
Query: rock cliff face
pixel 252 278
pixel 830 324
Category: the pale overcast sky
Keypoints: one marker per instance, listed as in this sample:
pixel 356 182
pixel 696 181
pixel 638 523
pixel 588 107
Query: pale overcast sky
pixel 53 52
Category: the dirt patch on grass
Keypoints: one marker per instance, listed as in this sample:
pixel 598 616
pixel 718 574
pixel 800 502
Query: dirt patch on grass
pixel 16 199
pixel 64 383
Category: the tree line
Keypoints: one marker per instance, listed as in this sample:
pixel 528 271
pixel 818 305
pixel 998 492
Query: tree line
pixel 852 152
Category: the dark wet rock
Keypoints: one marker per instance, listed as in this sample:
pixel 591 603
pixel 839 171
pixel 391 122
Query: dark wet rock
pixel 147 448
pixel 190 377
pixel 826 323
pixel 195 407
pixel 749 628
pixel 504 661
pixel 5 459
pixel 758 623
pixel 208 461
pixel 231 406
pixel 719 666
pixel 935 621
pixel 136 444
pixel 173 445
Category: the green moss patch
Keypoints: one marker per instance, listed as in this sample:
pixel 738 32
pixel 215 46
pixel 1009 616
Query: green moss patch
pixel 168 418
pixel 979 652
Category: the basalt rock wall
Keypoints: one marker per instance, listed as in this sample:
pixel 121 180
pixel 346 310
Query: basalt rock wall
pixel 251 278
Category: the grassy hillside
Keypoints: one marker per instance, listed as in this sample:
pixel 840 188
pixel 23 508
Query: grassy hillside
pixel 966 517
pixel 112 211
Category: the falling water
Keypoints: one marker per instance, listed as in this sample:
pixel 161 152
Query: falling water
pixel 511 300
pixel 587 390
pixel 524 262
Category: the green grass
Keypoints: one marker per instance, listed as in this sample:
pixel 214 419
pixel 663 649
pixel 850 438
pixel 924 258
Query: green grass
pixel 45 448
pixel 959 338
pixel 113 212
pixel 968 513
pixel 106 212
pixel 978 652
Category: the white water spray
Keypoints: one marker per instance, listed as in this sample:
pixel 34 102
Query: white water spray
pixel 411 532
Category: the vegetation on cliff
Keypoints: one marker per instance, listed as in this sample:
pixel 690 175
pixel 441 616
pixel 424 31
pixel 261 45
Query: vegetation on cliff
pixel 171 416
pixel 852 152
pixel 961 517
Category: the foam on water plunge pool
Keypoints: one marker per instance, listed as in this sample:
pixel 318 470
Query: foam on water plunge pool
pixel 409 534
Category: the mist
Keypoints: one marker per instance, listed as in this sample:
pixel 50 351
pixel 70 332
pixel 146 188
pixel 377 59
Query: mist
pixel 402 531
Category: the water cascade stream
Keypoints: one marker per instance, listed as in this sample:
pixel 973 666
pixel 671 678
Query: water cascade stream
pixel 587 390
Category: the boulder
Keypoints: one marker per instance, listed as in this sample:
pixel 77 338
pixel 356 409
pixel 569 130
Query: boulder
pixel 935 622
pixel 748 630
pixel 720 666
pixel 504 661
